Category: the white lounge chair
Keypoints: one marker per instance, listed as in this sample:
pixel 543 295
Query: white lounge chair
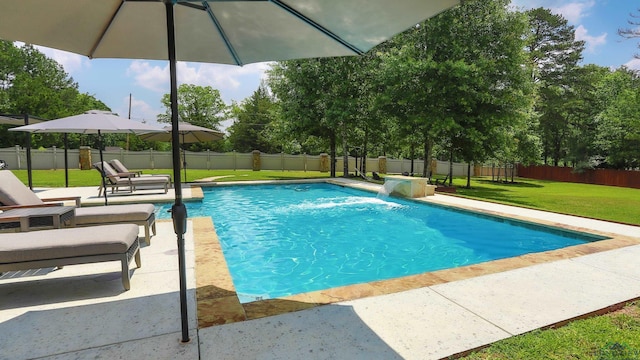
pixel 60 247
pixel 15 194
pixel 121 169
pixel 129 181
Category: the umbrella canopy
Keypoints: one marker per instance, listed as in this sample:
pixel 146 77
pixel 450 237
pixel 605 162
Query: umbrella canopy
pixel 189 133
pixel 218 31
pixel 225 32
pixel 91 122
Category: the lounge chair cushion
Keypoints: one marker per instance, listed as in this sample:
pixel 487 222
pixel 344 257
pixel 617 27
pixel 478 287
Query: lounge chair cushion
pixel 120 168
pixel 66 243
pixel 113 214
pixel 14 192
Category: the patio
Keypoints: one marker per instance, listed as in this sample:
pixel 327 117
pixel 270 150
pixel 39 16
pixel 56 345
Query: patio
pixel 82 311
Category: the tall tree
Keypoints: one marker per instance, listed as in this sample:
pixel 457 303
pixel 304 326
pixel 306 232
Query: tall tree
pixel 554 54
pixel 198 105
pixel 460 77
pixel 318 97
pixel 582 109
pixel 250 131
pixel 618 135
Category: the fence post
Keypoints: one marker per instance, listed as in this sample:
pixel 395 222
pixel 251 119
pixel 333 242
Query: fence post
pixel 324 162
pixel 85 158
pixel 382 164
pixel 55 158
pixel 256 160
pixel 18 156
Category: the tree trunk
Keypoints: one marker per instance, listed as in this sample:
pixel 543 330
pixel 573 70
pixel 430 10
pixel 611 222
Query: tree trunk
pixel 451 167
pixel 428 147
pixel 332 145
pixel 363 162
pixel 345 152
pixel 513 170
pixel 413 156
pixel 468 175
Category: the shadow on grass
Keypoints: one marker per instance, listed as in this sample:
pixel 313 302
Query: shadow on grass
pixel 509 184
pixel 501 194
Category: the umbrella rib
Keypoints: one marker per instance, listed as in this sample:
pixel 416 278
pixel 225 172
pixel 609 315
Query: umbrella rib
pixel 317 26
pixel 224 36
pixel 104 31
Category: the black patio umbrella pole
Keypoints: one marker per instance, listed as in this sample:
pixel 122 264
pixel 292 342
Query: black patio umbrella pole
pixel 104 182
pixel 184 160
pixel 28 149
pixel 66 160
pixel 178 210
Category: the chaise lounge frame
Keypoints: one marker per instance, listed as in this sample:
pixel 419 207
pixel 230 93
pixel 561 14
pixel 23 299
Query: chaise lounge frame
pixel 125 259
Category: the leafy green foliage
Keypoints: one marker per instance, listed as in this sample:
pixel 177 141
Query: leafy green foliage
pixel 251 129
pixel 31 83
pixel 197 105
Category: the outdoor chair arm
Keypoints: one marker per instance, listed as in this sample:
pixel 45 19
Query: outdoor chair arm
pixel 10 207
pixel 76 199
pixel 129 174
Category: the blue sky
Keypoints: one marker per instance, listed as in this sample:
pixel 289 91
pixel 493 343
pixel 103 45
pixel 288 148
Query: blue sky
pixel 111 81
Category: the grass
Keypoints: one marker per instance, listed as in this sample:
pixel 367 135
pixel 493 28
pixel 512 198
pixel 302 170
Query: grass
pixel 595 201
pixel 56 178
pixel 615 336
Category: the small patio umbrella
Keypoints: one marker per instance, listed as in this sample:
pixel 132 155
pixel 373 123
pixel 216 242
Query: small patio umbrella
pixel 91 122
pixel 189 134
pixel 216 31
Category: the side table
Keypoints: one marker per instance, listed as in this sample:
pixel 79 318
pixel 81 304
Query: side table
pixel 37 218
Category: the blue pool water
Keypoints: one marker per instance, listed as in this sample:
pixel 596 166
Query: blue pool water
pixel 286 239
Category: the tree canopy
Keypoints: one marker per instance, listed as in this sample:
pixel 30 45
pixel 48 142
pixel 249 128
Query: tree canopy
pixel 479 82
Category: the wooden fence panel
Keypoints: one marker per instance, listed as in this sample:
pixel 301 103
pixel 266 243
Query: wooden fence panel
pixel 630 179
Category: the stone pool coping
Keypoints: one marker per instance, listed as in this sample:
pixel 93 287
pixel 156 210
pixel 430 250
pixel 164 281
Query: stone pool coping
pixel 217 302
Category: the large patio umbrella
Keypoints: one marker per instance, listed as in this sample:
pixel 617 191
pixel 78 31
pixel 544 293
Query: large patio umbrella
pixel 217 31
pixel 91 122
pixel 189 134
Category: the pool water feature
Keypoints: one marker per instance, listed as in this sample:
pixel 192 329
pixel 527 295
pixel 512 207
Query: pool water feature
pixel 282 240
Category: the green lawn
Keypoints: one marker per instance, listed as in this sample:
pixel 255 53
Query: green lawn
pixel 595 201
pixel 56 178
pixel 614 336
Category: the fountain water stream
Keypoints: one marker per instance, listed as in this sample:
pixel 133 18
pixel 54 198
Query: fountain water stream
pixel 388 187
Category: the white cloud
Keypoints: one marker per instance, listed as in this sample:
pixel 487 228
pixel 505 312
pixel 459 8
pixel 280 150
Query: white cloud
pixel 633 64
pixel 70 62
pixel 140 110
pixel 573 11
pixel 592 42
pixel 150 77
pixel 221 77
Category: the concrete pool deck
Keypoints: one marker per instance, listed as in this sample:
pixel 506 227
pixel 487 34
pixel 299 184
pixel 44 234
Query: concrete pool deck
pixel 82 312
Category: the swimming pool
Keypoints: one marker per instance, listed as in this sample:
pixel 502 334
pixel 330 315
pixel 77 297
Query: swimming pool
pixel 281 240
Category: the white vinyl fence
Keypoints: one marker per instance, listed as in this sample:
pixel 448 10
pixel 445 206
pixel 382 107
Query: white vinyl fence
pixel 53 158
